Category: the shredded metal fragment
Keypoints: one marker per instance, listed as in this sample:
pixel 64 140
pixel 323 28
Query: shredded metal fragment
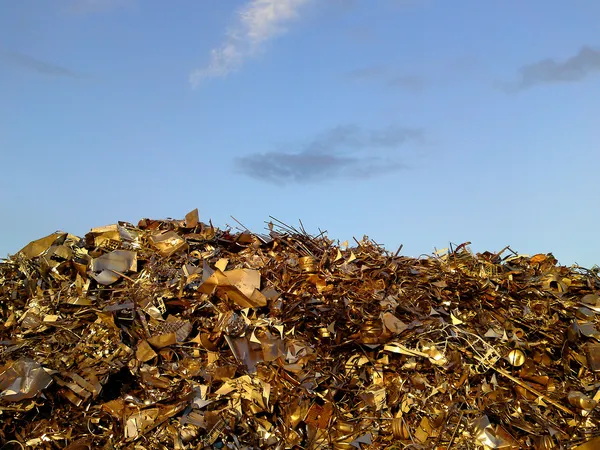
pixel 176 334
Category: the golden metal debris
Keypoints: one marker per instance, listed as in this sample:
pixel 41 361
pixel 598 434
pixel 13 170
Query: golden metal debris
pixel 580 400
pixel 516 358
pixel 176 334
pixel 308 264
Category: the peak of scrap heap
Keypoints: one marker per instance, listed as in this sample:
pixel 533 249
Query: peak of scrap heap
pixel 176 334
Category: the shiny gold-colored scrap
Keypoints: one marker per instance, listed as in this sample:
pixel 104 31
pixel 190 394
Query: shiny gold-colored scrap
pixel 176 334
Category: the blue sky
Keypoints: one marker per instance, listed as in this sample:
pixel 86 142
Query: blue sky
pixel 415 122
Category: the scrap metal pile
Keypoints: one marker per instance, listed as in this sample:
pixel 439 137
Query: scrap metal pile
pixel 175 334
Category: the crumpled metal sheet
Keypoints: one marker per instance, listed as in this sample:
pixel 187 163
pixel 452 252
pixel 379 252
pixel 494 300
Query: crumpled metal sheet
pixel 23 379
pixel 40 246
pixel 110 267
pixel 176 334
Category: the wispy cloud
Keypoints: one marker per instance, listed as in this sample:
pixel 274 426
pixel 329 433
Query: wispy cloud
pixel 393 4
pixel 407 82
pixel 97 6
pixel 341 152
pixel 258 22
pixel 389 77
pixel 361 33
pixel 576 68
pixel 343 4
pixel 369 73
pixel 36 65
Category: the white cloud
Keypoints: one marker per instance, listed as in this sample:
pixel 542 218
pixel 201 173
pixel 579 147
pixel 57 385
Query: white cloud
pixel 257 22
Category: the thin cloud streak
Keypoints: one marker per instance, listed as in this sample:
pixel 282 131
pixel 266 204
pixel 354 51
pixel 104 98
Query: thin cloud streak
pixel 37 65
pixel 361 34
pixel 84 7
pixel 368 73
pixel 549 71
pixel 258 22
pixel 408 82
pixel 346 151
pixel 389 77
pixel 455 69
